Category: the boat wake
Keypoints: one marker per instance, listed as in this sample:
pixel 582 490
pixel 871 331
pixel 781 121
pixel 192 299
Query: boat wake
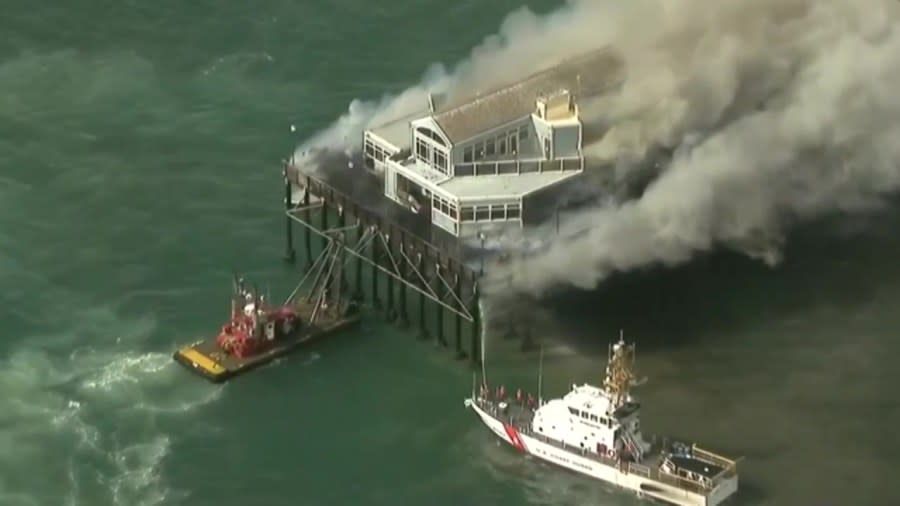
pixel 105 407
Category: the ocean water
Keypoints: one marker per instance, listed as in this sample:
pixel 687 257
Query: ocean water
pixel 139 167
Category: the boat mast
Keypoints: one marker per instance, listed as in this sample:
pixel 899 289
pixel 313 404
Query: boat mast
pixel 619 373
pixel 235 293
pixel 483 351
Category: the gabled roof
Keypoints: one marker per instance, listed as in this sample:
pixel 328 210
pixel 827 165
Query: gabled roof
pixel 585 75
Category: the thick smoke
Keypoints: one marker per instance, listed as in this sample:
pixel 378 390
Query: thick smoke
pixel 777 111
pixel 524 44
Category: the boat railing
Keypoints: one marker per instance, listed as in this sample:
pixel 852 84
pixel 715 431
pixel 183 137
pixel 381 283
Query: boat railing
pixel 640 469
pixel 682 482
pixel 729 466
pixel 713 458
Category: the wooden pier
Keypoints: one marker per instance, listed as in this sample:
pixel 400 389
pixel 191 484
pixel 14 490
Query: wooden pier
pixel 397 269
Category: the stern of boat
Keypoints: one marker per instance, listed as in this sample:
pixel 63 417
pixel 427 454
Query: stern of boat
pixel 726 488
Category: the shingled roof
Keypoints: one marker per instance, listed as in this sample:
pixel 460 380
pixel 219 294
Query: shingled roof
pixel 583 76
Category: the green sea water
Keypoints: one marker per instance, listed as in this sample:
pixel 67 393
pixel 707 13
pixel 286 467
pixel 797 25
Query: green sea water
pixel 139 167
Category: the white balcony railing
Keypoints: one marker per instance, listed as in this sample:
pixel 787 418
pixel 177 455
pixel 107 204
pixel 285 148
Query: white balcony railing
pixel 518 167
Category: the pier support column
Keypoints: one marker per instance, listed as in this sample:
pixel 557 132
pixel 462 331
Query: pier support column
pixel 527 338
pixel 375 251
pixel 290 255
pixel 307 215
pixel 323 217
pixel 476 325
pixel 423 324
pixel 342 237
pixel 438 308
pixel 457 290
pixel 357 286
pixel 390 314
pixel 402 316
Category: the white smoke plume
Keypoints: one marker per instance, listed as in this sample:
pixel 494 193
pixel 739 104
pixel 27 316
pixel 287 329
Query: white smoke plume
pixel 824 137
pixel 778 111
pixel 521 47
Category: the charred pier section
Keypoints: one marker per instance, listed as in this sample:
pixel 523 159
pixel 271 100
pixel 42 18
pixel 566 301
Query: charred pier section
pixel 412 282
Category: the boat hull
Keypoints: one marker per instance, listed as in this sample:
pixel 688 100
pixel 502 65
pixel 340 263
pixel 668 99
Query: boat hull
pixel 615 475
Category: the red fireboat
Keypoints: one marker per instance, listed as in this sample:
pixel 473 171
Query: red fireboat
pixel 257 332
pixel 254 326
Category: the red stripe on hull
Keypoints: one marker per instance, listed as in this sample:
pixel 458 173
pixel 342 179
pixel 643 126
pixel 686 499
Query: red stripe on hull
pixel 514 438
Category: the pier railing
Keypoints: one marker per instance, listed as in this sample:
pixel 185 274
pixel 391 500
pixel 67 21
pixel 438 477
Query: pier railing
pixel 500 167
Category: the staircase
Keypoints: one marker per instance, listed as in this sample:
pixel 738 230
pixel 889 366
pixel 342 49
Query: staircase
pixel 633 447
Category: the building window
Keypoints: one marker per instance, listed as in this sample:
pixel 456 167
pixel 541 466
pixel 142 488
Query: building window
pixel 423 151
pixel 512 211
pixel 489 147
pixel 467 154
pixel 444 206
pixel 464 170
pixel 498 212
pixel 431 134
pixel 440 161
pixel 482 213
pixel 513 145
pixel 501 146
pixel 468 213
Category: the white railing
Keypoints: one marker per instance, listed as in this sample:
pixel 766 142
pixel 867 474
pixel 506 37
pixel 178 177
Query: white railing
pixel 518 167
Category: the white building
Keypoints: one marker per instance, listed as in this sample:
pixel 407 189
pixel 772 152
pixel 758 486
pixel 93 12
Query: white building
pixel 478 162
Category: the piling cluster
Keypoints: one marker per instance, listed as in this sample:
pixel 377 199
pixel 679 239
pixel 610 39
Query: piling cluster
pixel 408 277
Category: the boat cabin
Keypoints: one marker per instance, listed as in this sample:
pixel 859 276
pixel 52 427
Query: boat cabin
pixel 586 418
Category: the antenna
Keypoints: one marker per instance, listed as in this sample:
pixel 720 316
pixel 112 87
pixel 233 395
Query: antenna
pixel 541 376
pixel 483 370
pixel 483 329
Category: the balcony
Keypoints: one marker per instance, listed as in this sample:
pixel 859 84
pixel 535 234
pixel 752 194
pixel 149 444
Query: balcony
pixel 571 164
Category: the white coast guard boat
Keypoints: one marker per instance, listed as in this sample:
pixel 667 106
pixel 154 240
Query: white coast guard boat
pixel 596 431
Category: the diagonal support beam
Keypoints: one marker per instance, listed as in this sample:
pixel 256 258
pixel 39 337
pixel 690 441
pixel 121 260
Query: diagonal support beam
pixel 463 314
pixel 415 269
pixel 452 291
